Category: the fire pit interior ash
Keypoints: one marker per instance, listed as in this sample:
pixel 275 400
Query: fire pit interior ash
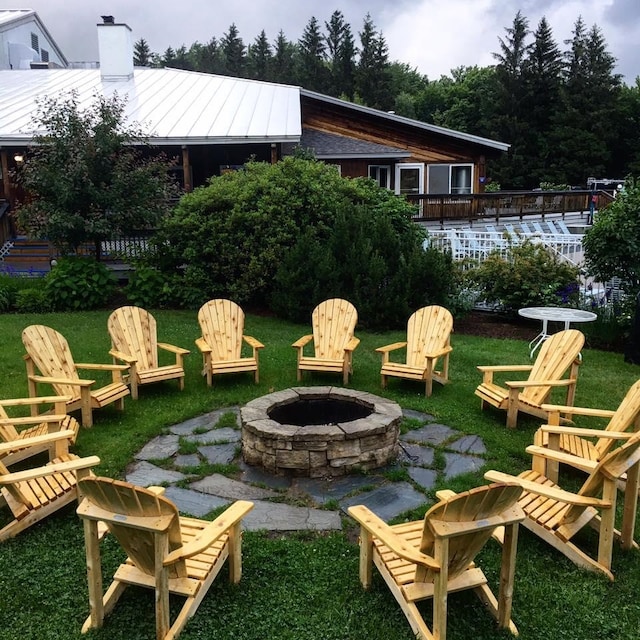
pixel 320 431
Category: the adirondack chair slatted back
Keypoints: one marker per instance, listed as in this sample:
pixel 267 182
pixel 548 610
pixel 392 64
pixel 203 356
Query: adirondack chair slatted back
pixel 222 325
pixel 475 514
pixel 428 331
pixel 334 323
pixel 49 351
pixel 612 467
pixel 133 331
pixel 134 515
pixel 556 355
pixel 627 416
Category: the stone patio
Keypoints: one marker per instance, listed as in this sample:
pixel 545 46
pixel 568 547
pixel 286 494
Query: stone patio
pixel 324 500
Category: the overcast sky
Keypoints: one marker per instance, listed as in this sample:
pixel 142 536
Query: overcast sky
pixel 434 36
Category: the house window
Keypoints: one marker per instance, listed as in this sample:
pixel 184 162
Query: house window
pixel 35 45
pixel 44 55
pixel 409 178
pixel 381 173
pixel 450 178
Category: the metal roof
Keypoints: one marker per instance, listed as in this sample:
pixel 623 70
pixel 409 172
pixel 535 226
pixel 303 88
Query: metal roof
pixel 172 106
pixel 331 146
pixel 459 135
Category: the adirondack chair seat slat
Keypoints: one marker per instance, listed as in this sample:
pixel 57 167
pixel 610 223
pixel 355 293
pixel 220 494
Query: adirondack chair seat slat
pixel 221 344
pixel 428 342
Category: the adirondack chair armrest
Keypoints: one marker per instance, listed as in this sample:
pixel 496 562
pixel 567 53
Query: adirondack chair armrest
pixel 201 343
pixel 587 433
pixel 381 530
pixel 76 383
pixel 445 494
pixel 230 517
pixel 540 383
pixel 49 469
pixel 45 418
pixel 102 367
pixel 18 402
pixel 352 344
pixel 505 367
pixel 173 348
pixel 252 342
pixel 125 357
pixel 581 411
pixel 25 443
pixel 300 343
pixel 555 493
pixel 440 352
pixel 391 347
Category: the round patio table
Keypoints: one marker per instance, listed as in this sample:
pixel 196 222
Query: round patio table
pixel 553 314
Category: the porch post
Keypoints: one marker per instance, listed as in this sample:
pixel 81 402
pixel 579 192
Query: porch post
pixel 274 153
pixel 186 169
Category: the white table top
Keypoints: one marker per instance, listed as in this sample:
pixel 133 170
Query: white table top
pixel 557 314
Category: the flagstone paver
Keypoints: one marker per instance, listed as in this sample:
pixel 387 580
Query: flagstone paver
pixel 388 499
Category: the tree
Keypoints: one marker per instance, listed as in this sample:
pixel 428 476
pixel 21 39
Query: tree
pixel 283 60
pixel 312 51
pixel 233 53
pixel 259 58
pixel 86 177
pixel 141 53
pixel 342 51
pixel 373 80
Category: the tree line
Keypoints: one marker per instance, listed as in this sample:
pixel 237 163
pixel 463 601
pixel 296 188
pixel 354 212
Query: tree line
pixel 563 109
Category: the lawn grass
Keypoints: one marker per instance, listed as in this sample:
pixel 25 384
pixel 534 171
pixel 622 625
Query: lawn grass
pixel 304 586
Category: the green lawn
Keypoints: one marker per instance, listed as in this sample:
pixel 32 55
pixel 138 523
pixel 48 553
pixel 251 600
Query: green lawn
pixel 304 586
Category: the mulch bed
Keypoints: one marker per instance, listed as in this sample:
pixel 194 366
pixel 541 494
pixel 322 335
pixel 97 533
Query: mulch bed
pixel 488 324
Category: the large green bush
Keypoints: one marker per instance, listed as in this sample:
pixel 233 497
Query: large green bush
pixel 293 233
pixel 529 275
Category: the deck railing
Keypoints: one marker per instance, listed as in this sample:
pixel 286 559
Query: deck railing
pixel 503 204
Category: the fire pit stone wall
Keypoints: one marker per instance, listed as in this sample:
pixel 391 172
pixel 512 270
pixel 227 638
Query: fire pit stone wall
pixel 320 450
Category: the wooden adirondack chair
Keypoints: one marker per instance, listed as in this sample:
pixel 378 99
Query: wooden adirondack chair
pixel 557 515
pixel 558 353
pixel 34 494
pixel 428 340
pixel 134 340
pixel 586 446
pixel 27 428
pixel 48 352
pixel 166 552
pixel 222 325
pixel 430 558
pixel 334 322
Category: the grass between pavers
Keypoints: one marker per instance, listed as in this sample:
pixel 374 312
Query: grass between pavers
pixel 304 586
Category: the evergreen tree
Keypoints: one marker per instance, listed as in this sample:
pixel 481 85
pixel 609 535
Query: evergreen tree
pixel 182 59
pixel 233 53
pixel 141 53
pixel 283 62
pixel 511 103
pixel 312 57
pixel 342 50
pixel 168 57
pixel 542 74
pixel 206 58
pixel 373 79
pixel 259 58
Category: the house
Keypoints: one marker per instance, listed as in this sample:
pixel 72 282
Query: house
pixel 25 42
pixel 211 124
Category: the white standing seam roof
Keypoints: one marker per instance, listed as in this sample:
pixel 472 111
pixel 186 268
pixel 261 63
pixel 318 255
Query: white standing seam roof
pixel 173 107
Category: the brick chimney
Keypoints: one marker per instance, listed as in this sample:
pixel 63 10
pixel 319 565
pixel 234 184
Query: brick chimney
pixel 115 50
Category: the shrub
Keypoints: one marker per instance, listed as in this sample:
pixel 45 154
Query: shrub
pixel 528 276
pixel 78 283
pixel 33 300
pixel 293 233
pixel 148 288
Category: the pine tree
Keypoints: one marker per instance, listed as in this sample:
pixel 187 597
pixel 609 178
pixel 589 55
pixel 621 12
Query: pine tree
pixel 283 62
pixel 233 53
pixel 312 71
pixel 206 58
pixel 373 79
pixel 141 53
pixel 259 58
pixel 342 50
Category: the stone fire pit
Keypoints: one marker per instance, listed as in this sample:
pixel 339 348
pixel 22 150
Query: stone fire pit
pixel 319 431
